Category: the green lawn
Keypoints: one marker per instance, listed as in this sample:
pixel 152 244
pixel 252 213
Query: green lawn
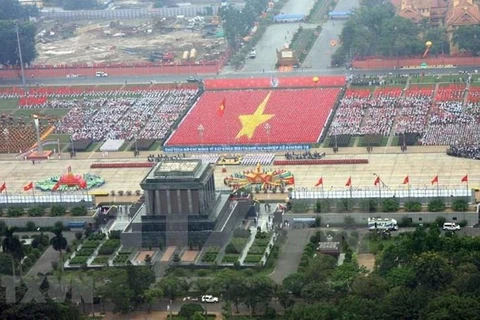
pixel 424 79
pixel 93 146
pixel 451 78
pixel 8 104
pixel 155 146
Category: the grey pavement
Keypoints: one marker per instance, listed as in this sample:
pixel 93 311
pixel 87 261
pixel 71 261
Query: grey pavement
pixel 320 55
pixel 276 36
pixel 291 253
pixel 44 263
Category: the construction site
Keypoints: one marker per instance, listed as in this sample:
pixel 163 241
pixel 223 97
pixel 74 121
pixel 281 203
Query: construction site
pixel 171 40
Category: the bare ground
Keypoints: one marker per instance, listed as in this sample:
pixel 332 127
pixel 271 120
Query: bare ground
pixel 125 41
pixel 367 260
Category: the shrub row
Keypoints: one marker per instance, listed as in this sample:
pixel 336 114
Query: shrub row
pixel 39 211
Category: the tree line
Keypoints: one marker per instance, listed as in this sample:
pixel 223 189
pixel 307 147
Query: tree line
pixel 375 30
pixel 12 14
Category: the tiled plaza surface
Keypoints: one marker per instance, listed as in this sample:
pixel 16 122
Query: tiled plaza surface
pixel 420 163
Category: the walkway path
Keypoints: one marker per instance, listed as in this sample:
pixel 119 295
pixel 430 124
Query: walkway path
pixel 321 53
pixel 291 253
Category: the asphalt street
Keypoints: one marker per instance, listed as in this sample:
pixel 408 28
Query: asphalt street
pixel 276 36
pixel 224 75
pixel 320 55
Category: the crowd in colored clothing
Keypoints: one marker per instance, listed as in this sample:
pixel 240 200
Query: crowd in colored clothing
pixel 147 117
pixel 466 151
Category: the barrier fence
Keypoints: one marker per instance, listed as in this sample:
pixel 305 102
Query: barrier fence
pixel 383 193
pixel 43 199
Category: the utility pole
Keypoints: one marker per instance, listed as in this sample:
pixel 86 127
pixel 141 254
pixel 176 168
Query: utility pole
pixel 21 57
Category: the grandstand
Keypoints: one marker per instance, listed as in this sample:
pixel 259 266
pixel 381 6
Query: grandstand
pixel 295 116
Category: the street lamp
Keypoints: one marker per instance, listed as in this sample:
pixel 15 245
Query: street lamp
pixel 21 57
pixel 268 127
pixel 6 133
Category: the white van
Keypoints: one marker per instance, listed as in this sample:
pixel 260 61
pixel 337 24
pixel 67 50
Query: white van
pixel 451 226
pixel 382 224
pixel 101 74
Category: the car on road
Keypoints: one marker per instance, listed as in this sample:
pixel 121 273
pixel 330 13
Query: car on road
pixel 190 299
pixel 209 299
pixel 101 74
pixel 451 226
pixel 192 79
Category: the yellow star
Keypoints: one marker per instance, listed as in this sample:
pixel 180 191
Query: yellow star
pixel 250 122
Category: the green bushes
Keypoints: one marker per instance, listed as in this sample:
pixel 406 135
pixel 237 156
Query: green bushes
pixel 440 221
pixel 121 258
pixel 436 205
pixel 459 205
pixel 15 212
pixel 236 245
pixel 253 258
pixel 241 233
pixel 413 206
pixel 36 211
pixel 109 247
pixel 79 260
pixel 299 207
pixel 57 210
pixel 390 205
pixel 230 258
pixel 101 260
pixel 91 244
pixel 85 252
pixel 369 205
pixel 322 206
pixel 345 205
pixel 78 211
pixel 97 236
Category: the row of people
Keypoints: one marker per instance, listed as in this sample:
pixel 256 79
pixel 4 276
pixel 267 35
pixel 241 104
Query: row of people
pixel 147 117
pixel 465 151
pixel 304 155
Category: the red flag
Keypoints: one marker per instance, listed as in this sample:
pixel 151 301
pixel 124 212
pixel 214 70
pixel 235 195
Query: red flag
pixel 464 179
pixel 28 186
pixel 435 180
pixel 221 108
pixel 320 182
pixel 56 186
pixel 349 182
pixel 406 180
pixel 377 181
pixel 3 187
pixel 83 184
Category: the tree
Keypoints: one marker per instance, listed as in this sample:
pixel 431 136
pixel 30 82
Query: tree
pixel 169 286
pixel 5 264
pixel 139 278
pixel 12 245
pixel 80 5
pixel 189 309
pixel 203 286
pixel 47 310
pixel 197 316
pixel 231 284
pixel 259 289
pixel 451 306
pixel 59 243
pixel 8 38
pixel 150 296
pixel 467 38
pixel 432 270
pixel 294 283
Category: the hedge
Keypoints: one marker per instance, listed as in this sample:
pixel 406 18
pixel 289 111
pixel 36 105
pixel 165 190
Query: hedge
pixel 79 260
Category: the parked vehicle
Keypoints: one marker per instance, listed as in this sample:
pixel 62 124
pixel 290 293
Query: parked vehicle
pixel 192 79
pixel 451 226
pixel 190 299
pixel 382 224
pixel 209 299
pixel 101 74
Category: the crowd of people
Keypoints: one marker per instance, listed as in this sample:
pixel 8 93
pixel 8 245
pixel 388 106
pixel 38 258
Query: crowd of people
pixel 163 157
pixel 412 116
pixel 149 116
pixel 465 151
pixel 304 155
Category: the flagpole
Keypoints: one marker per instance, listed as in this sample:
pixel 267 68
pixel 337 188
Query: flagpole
pixel 33 192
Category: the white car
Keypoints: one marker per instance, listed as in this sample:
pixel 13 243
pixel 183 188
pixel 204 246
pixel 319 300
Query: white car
pixel 209 299
pixel 451 226
pixel 190 299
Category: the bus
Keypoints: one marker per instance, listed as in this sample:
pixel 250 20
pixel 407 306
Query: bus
pixel 382 224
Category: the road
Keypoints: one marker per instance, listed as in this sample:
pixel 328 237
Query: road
pixel 320 55
pixel 276 36
pixel 224 75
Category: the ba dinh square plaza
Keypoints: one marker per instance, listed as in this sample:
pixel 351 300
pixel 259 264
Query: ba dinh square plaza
pixel 241 159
